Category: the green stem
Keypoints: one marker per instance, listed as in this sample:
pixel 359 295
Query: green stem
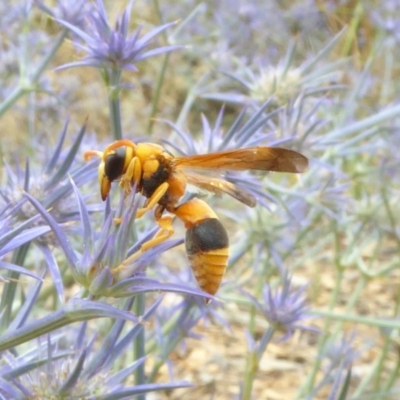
pixel 310 381
pixel 139 344
pixel 392 378
pixel 161 76
pixel 377 377
pixel 157 94
pixel 174 340
pixel 356 319
pixel 10 287
pixel 28 84
pixel 114 103
pixel 49 56
pixel 351 36
pixel 379 383
pixel 252 363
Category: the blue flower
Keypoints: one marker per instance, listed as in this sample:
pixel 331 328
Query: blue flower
pixel 114 48
pixel 285 308
pixel 283 82
pixel 68 364
pixel 21 225
pixel 72 11
pixel 48 183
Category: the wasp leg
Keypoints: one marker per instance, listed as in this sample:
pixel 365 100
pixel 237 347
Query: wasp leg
pixel 150 204
pixel 165 232
pixel 131 176
pixel 153 200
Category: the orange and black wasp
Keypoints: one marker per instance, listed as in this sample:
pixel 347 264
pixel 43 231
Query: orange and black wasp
pixel 162 179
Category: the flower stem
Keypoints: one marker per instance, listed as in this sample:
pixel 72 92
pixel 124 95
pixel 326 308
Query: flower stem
pixel 10 288
pixel 139 344
pixel 114 104
pixel 156 96
pixel 252 362
pixel 161 77
pixel 27 84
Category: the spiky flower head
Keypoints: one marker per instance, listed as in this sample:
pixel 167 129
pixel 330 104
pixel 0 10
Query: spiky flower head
pixel 113 48
pixel 68 365
pixel 275 81
pixel 285 308
pixel 49 184
pixel 71 11
pixel 285 81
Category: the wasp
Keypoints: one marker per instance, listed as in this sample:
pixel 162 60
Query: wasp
pixel 162 179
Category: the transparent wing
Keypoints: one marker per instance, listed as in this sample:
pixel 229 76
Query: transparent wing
pixel 253 158
pixel 219 186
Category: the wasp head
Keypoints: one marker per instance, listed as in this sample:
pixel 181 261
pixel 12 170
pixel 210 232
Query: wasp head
pixel 114 163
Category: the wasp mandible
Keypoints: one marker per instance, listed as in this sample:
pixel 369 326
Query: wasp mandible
pixel 162 179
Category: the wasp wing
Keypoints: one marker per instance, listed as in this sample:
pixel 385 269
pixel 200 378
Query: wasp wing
pixel 252 158
pixel 219 186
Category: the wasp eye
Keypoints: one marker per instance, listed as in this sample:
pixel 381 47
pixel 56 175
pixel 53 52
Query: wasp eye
pixel 114 164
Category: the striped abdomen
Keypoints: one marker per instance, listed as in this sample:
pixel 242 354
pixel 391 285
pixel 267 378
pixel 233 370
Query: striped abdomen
pixel 207 246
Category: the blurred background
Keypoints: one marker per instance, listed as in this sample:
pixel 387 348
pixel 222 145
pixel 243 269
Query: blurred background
pixel 325 76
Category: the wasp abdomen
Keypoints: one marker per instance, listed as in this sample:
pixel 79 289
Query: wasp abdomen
pixel 207 246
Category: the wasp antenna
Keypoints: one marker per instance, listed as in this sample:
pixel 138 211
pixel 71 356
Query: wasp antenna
pixel 87 155
pixel 120 143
